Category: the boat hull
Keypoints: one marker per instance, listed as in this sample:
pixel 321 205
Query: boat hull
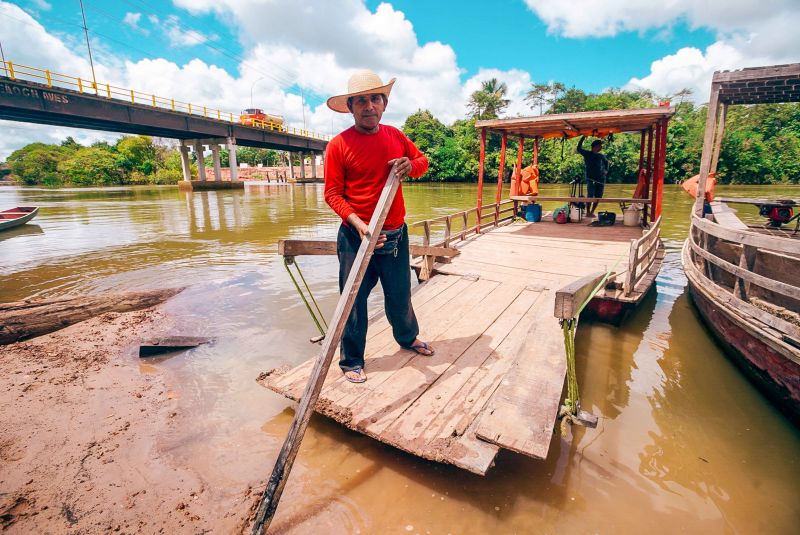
pixel 6 224
pixel 765 360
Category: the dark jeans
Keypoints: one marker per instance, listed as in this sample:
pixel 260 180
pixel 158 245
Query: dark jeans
pixel 394 272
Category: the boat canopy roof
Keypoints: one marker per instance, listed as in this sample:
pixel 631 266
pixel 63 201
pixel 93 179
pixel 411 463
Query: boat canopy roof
pixel 589 123
pixel 759 85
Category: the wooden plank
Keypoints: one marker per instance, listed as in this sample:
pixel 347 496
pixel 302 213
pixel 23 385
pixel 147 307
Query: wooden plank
pixel 378 340
pixel 283 465
pixel 445 401
pixel 521 413
pixel 747 275
pixel 328 247
pixel 726 217
pixel 166 344
pixel 745 237
pixel 382 365
pixel 570 297
pixel 293 381
pixel 377 411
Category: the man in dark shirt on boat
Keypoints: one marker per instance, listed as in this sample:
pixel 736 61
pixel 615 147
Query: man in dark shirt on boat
pixel 357 162
pixel 596 171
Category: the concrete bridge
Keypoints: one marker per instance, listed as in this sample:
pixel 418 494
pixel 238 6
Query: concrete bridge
pixel 32 95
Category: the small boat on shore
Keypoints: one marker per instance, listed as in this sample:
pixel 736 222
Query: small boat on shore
pixel 745 279
pixel 13 217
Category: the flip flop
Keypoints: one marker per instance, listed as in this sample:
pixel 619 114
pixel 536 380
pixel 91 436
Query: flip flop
pixel 422 345
pixel 359 371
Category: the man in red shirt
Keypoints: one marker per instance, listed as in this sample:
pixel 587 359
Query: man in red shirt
pixel 357 163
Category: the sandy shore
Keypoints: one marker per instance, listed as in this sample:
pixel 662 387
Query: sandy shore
pixel 80 428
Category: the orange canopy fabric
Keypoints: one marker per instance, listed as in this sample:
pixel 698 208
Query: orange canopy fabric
pixel 690 186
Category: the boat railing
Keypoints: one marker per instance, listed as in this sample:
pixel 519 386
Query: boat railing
pixel 713 248
pixel 642 253
pixel 444 230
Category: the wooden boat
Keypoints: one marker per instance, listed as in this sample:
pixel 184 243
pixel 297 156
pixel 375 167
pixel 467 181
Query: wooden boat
pixel 14 217
pixel 494 290
pixel 745 279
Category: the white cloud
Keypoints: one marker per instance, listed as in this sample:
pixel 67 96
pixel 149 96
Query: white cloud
pixel 748 34
pixel 299 50
pixel 132 20
pixel 43 5
pixel 179 36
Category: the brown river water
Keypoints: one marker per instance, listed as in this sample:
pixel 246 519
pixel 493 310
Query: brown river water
pixel 684 442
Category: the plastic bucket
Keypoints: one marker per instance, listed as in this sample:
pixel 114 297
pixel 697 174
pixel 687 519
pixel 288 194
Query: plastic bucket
pixel 575 213
pixel 631 216
pixel 533 213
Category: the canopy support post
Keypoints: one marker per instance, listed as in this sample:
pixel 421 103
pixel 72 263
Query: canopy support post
pixel 480 180
pixel 656 159
pixel 500 172
pixel 649 172
pixel 723 112
pixel 662 165
pixel 705 158
pixel 516 181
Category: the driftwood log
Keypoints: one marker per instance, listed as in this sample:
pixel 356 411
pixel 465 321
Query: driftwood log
pixel 27 319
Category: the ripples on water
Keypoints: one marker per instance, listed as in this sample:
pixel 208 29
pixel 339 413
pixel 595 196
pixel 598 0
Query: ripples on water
pixel 684 442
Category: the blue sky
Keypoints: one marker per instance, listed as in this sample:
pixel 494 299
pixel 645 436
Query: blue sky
pixel 505 34
pixel 214 51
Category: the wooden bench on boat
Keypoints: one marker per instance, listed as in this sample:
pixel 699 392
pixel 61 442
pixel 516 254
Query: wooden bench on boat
pixel 491 312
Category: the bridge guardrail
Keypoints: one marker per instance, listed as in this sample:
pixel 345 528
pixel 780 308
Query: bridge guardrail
pixel 55 79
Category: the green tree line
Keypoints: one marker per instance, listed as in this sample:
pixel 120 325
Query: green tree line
pixel 761 143
pixel 131 160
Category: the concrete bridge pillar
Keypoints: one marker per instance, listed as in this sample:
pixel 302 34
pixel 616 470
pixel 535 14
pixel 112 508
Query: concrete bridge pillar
pixel 201 161
pixel 291 166
pixel 313 165
pixel 186 164
pixel 232 162
pixel 215 159
pixel 303 165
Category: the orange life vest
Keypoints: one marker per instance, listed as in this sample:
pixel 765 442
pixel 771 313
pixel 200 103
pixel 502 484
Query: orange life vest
pixel 530 180
pixel 690 186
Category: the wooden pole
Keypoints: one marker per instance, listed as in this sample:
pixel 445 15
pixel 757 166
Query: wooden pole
pixel 649 170
pixel 656 160
pixel 708 141
pixel 661 168
pixel 723 112
pixel 641 153
pixel 480 179
pixel 283 465
pixel 516 188
pixel 501 171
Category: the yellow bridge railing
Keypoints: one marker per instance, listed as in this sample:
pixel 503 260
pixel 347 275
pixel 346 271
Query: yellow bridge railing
pixel 16 71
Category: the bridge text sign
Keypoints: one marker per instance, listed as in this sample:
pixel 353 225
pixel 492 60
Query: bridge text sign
pixel 14 90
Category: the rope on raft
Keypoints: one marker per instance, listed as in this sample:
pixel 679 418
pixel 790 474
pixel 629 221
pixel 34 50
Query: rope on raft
pixel 316 316
pixel 570 409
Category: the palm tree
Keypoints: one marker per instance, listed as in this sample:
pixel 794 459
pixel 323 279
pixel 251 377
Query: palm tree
pixel 488 101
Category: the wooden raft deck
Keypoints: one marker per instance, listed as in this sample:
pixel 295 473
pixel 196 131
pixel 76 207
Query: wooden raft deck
pixel 497 376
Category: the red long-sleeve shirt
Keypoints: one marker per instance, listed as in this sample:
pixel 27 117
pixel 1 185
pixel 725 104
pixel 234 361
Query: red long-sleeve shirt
pixel 356 169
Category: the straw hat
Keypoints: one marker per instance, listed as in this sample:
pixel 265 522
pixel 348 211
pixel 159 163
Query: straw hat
pixel 361 83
